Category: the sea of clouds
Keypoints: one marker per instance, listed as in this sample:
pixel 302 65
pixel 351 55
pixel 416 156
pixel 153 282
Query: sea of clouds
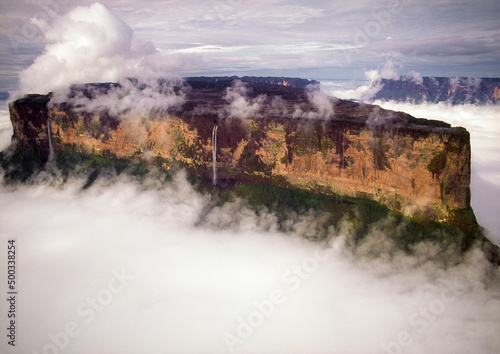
pixel 128 266
pixel 152 266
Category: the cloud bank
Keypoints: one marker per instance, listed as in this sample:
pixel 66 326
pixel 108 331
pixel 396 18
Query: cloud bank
pixel 91 44
pixel 128 98
pixel 366 92
pixel 156 267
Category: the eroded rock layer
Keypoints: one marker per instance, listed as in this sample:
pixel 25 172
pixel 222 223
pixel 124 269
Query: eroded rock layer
pixel 416 166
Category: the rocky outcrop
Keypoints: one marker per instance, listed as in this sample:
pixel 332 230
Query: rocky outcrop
pixel 415 166
pixel 439 89
pixel 271 80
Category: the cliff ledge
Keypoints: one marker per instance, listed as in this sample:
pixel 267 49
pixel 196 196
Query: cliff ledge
pixel 415 166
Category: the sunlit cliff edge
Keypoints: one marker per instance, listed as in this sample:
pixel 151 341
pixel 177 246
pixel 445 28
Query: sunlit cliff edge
pixel 417 167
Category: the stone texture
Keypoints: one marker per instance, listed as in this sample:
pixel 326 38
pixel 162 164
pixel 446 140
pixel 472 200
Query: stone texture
pixel 416 166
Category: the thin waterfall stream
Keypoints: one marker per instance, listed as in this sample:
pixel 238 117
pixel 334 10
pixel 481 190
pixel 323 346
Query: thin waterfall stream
pixel 214 155
pixel 49 135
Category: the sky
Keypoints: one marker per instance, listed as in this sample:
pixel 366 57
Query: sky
pixel 320 39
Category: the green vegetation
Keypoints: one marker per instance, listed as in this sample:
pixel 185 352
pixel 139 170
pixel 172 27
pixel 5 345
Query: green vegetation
pixel 362 214
pixel 437 163
pixel 330 211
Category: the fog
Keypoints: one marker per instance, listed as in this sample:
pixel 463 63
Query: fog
pixel 129 267
pixel 152 266
pixel 6 129
pixel 127 98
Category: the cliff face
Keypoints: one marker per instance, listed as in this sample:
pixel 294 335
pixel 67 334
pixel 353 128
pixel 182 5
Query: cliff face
pixel 272 80
pixel 440 89
pixel 416 166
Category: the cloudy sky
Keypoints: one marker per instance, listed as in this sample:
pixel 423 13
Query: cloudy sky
pixel 320 39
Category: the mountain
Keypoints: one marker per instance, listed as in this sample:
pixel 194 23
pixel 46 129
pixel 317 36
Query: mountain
pixel 416 166
pixel 291 138
pixel 281 81
pixel 458 90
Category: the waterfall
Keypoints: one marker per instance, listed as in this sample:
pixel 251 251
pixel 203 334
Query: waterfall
pixel 51 150
pixel 214 154
pixel 343 165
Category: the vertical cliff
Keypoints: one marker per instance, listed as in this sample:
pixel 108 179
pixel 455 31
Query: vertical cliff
pixel 415 166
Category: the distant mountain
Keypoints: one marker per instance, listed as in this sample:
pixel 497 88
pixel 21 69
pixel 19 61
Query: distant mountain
pixel 4 96
pixel 281 81
pixel 456 90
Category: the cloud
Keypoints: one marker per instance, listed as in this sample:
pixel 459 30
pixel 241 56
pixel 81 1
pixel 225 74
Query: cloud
pixel 367 92
pixel 6 129
pixel 322 105
pixel 276 38
pixel 440 47
pixel 388 71
pixel 414 77
pixel 127 98
pixel 240 104
pixel 376 119
pixel 91 44
pixel 136 264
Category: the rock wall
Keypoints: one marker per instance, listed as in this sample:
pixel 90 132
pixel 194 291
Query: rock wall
pixel 439 89
pixel 415 166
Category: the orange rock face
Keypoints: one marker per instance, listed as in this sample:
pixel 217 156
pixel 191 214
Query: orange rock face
pixel 416 171
pixel 414 166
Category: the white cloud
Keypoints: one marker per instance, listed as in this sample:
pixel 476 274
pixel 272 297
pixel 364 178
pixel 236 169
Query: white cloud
pixel 184 286
pixel 129 98
pixel 240 104
pixel 366 92
pixel 91 44
pixel 6 129
pixel 322 105
pixel 414 77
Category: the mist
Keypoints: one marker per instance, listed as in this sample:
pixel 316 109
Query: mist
pixel 134 266
pixel 6 129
